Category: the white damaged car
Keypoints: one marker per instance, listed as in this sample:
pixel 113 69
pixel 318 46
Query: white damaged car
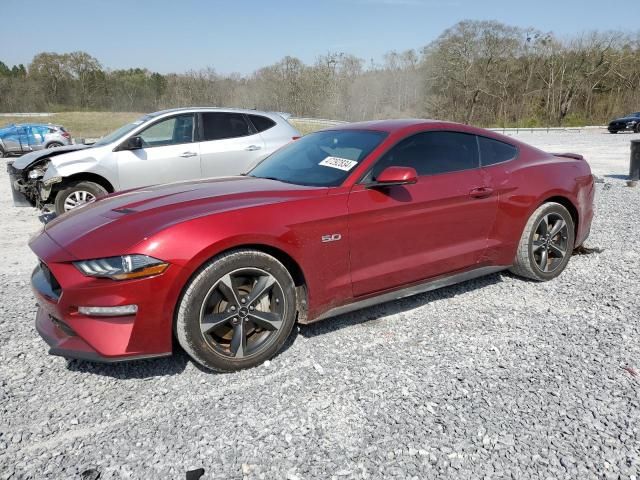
pixel 161 147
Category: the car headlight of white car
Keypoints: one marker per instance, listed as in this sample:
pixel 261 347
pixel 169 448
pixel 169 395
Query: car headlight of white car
pixel 36 173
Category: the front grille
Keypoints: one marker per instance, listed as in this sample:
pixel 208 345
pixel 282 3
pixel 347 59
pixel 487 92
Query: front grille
pixel 53 282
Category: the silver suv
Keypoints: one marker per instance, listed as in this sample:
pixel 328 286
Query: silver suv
pixel 161 147
pixel 29 137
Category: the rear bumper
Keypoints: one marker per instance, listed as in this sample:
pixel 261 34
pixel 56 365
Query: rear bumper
pixel 586 197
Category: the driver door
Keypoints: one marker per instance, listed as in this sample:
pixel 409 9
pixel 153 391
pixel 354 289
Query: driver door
pixel 408 233
pixel 168 154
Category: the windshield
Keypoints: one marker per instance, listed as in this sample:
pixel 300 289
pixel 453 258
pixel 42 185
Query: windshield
pixel 319 159
pixel 123 130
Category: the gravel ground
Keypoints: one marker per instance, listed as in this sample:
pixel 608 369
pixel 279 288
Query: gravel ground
pixel 494 378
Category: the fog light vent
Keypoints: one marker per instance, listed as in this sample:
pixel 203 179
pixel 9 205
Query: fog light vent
pixel 109 311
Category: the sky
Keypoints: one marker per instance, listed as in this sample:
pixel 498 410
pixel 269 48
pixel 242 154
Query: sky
pixel 244 35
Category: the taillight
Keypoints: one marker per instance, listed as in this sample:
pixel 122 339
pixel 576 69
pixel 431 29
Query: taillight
pixel 66 135
pixel 295 138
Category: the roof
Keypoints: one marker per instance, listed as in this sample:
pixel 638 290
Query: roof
pixel 215 109
pixel 386 125
pixel 399 125
pixel 409 125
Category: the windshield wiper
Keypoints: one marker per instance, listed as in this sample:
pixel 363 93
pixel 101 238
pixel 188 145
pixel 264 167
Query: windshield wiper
pixel 278 180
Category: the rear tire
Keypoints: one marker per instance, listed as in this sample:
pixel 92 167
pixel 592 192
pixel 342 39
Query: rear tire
pixel 54 145
pixel 237 312
pixel 546 243
pixel 76 194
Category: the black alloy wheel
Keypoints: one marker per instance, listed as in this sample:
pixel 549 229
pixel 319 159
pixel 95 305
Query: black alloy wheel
pixel 242 312
pixel 237 311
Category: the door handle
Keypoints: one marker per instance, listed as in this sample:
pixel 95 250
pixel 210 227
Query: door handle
pixel 253 148
pixel 481 192
pixel 188 154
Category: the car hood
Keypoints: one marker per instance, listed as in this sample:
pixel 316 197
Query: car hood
pixel 129 217
pixel 25 161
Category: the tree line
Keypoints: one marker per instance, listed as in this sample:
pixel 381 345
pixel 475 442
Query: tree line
pixel 480 72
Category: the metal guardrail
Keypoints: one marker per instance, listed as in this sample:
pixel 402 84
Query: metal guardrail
pixel 25 114
pixel 320 121
pixel 305 123
pixel 308 125
pixel 547 129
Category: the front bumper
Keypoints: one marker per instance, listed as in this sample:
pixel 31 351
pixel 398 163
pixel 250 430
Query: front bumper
pixel 65 343
pixel 19 198
pixel 621 128
pixel 60 289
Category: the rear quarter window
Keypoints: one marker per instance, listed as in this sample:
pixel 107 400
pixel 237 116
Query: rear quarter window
pixel 261 123
pixel 494 151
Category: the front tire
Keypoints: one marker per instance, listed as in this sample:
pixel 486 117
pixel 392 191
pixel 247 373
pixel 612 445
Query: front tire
pixel 77 194
pixel 237 312
pixel 546 243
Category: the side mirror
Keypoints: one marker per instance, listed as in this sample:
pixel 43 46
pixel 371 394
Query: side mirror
pixel 396 176
pixel 133 143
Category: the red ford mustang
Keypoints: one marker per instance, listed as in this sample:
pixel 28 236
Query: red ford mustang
pixel 339 220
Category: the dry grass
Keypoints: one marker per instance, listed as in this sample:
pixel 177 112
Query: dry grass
pixel 81 124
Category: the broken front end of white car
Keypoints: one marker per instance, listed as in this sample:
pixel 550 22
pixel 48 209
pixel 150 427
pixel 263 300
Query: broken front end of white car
pixel 34 178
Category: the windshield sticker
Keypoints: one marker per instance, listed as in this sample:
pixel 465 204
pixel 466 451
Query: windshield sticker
pixel 339 163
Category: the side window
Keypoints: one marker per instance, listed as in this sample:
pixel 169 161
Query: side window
pixel 221 125
pixel 261 123
pixel 171 131
pixel 494 151
pixel 37 133
pixel 432 153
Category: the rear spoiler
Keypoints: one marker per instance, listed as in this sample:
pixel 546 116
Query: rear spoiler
pixel 575 156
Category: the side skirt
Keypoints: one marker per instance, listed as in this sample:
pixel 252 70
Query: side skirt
pixel 434 284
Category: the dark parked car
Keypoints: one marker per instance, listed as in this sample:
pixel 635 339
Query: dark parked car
pixel 29 137
pixel 338 220
pixel 631 122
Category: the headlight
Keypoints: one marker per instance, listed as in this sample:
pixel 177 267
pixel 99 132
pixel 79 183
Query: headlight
pixel 122 268
pixel 36 173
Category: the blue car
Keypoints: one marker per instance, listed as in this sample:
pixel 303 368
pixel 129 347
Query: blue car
pixel 29 137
